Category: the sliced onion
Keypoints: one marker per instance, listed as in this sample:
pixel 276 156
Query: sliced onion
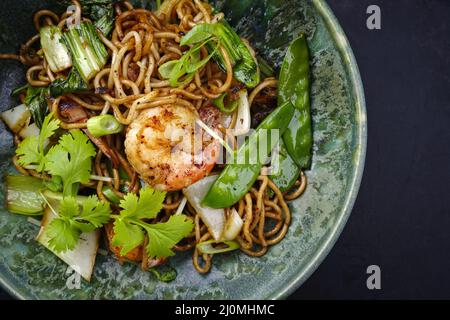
pixel 214 219
pixel 29 131
pixel 82 258
pixel 16 118
pixel 233 226
pixel 243 120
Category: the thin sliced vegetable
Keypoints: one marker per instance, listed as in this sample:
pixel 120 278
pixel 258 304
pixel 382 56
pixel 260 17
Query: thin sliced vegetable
pixel 233 226
pixel 215 247
pixel 31 130
pixel 181 206
pixel 214 219
pixel 220 103
pixel 111 195
pixel 104 125
pixel 23 195
pixel 243 121
pixel 16 118
pixel 18 90
pixel 213 134
pixel 55 50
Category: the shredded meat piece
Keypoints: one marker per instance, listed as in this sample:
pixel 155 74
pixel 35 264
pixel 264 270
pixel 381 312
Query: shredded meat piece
pixel 133 71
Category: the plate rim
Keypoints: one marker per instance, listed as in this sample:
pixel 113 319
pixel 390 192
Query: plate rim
pixel 352 70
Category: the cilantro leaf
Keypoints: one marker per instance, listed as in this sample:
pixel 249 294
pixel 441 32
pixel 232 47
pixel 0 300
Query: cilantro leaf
pixel 54 184
pixel 148 205
pixel 68 207
pixel 163 236
pixel 28 152
pixel 73 219
pixel 94 212
pixel 31 151
pixel 126 235
pixel 63 235
pixel 71 160
pixel 130 228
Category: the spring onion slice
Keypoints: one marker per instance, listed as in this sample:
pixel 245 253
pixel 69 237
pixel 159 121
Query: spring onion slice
pixel 109 193
pixel 214 247
pixel 104 125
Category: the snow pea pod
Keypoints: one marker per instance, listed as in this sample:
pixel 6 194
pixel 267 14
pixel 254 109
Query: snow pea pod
pixel 288 171
pixel 238 177
pixel 294 87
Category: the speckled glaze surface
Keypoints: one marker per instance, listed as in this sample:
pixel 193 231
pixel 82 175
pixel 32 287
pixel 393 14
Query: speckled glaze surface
pixel 29 271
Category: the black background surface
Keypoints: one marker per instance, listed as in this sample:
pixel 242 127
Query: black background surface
pixel 401 219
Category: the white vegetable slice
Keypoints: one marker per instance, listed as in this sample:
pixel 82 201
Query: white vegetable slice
pixel 214 219
pixel 181 206
pixel 16 118
pixel 243 120
pixel 233 226
pixel 82 258
pixel 29 131
pixel 55 50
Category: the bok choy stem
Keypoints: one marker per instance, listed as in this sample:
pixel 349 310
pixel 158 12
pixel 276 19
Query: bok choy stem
pixel 23 195
pixel 55 50
pixel 89 54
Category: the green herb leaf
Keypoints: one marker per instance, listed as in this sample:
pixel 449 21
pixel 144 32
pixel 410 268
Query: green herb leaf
pixel 54 184
pixel 31 150
pixel 62 235
pixel 73 219
pixel 36 102
pixel 163 236
pixel 187 65
pixel 127 235
pixel 94 214
pixel 148 205
pixel 130 229
pixel 71 160
pixel 18 90
pixel 199 33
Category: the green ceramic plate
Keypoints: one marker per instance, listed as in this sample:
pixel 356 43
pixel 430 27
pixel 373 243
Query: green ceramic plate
pixel 29 271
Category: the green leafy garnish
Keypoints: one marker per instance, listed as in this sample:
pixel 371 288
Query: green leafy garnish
pixel 36 102
pixel 245 66
pixel 31 151
pixel 130 227
pixel 73 219
pixel 225 106
pixel 54 184
pixel 72 84
pixel 20 89
pixel 71 159
pixel 164 273
pixel 187 65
